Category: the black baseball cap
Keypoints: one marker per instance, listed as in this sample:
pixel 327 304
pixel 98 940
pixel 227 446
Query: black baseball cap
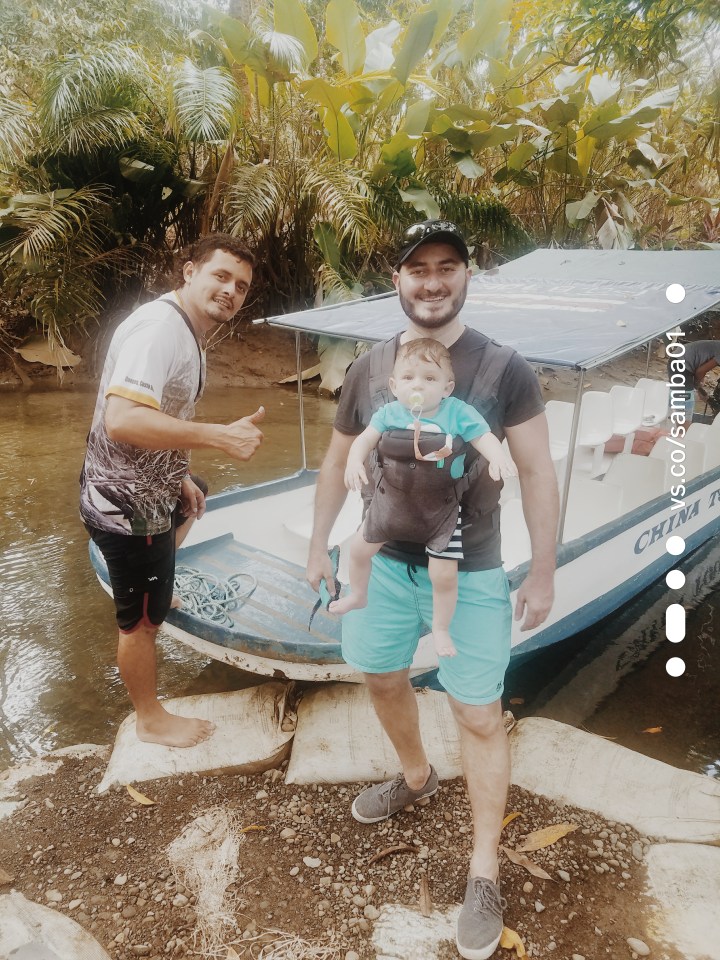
pixel 432 231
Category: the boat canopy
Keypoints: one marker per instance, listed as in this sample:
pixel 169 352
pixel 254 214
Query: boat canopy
pixel 577 308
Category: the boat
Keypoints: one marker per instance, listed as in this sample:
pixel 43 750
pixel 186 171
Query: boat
pixel 626 519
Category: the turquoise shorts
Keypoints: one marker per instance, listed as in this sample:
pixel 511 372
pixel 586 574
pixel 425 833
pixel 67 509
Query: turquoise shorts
pixel 383 636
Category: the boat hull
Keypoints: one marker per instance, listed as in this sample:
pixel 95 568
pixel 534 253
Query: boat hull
pixel 596 574
pixel 599 573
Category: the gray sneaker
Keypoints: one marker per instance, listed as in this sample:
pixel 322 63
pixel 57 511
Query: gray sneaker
pixel 480 924
pixel 382 800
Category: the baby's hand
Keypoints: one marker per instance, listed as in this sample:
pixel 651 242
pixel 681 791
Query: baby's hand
pixel 355 476
pixel 502 467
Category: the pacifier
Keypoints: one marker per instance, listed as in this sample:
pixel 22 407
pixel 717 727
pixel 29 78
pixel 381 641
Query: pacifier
pixel 416 404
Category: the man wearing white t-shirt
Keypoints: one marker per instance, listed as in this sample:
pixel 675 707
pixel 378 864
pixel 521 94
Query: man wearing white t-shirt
pixel 137 498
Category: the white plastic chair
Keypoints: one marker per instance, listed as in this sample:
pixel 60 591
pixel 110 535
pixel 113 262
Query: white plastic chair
pixel 657 400
pixel 591 504
pixel 559 414
pixel 708 436
pixel 641 479
pixel 595 428
pixel 628 404
pixel 691 464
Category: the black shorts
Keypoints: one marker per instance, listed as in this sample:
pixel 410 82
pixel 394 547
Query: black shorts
pixel 141 571
pixel 142 575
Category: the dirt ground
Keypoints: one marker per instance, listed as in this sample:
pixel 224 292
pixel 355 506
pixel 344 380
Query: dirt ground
pixel 311 881
pixel 254 355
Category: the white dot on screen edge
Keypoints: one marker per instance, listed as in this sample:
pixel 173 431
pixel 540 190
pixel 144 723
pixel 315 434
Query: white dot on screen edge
pixel 675 666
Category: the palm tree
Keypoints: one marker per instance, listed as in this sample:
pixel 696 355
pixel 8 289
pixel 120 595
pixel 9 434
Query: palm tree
pixel 98 156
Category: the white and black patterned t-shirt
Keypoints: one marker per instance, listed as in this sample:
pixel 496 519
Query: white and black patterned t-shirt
pixel 155 360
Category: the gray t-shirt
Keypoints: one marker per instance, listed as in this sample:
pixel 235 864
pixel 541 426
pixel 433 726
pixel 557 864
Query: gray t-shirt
pixel 154 359
pixel 518 399
pixel 696 354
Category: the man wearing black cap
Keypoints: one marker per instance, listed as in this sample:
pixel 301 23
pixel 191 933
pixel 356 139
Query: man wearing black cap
pixel 431 278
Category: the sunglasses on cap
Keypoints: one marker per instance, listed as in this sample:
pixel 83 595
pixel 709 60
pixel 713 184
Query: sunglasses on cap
pixel 419 231
pixel 444 231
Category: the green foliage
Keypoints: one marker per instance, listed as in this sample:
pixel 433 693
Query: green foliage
pixel 484 219
pixel 60 240
pixel 203 104
pixel 641 35
pixel 345 33
pixel 320 128
pixel 89 180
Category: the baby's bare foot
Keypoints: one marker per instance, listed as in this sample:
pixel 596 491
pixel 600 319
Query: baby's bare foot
pixel 443 644
pixel 172 731
pixel 353 601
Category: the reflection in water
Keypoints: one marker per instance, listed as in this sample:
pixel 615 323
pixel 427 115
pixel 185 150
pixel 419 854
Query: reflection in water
pixel 58 680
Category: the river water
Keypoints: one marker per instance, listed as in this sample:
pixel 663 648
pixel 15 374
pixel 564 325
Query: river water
pixel 58 680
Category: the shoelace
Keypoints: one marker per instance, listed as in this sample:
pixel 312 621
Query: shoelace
pixel 389 790
pixel 487 897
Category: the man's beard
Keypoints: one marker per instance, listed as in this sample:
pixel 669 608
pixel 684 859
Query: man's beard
pixel 218 314
pixel 439 320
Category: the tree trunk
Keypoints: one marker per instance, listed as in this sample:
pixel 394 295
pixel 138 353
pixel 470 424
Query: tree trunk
pixel 221 180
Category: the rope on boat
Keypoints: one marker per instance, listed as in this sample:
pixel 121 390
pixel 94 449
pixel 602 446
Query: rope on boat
pixel 209 597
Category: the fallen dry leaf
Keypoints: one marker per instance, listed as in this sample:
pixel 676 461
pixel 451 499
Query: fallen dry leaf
pixel 253 826
pixel 653 730
pixel 545 837
pixel 510 940
pixel 425 900
pixel 232 954
pixel 509 818
pixel 398 848
pixel 5 878
pixel 522 861
pixel 41 350
pixel 139 797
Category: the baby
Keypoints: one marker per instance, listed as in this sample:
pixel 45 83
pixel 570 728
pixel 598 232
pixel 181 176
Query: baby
pixel 420 511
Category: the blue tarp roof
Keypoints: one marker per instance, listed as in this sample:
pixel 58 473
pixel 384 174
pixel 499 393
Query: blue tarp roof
pixel 567 307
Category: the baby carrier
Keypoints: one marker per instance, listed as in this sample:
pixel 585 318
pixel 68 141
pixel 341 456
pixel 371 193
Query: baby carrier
pixel 430 492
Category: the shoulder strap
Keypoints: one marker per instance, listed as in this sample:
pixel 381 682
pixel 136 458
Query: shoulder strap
pixel 186 318
pixel 382 360
pixel 483 396
pixel 483 393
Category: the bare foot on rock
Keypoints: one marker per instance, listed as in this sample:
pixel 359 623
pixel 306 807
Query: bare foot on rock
pixel 171 731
